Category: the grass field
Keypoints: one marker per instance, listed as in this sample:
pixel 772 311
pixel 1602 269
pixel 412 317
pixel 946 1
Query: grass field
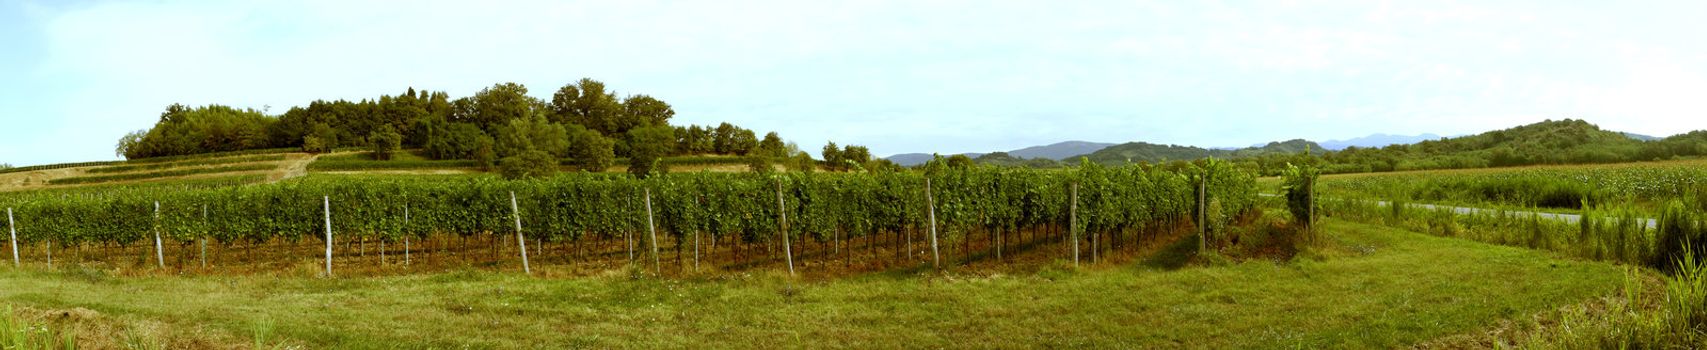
pixel 1361 286
pixel 1643 186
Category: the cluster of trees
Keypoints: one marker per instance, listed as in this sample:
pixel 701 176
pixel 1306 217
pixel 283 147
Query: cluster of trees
pixel 583 124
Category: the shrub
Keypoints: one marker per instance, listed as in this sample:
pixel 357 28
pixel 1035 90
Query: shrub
pixel 384 142
pixel 530 164
pixel 1299 184
pixel 313 144
pixel 759 164
pixel 590 151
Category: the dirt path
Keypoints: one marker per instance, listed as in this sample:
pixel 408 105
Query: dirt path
pixel 295 165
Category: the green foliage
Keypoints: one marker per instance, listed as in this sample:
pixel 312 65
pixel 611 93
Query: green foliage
pixel 649 145
pixel 694 139
pixel 1679 229
pixel 642 110
pixel 1299 185
pixel 772 146
pixel 457 141
pixel 758 164
pixel 1551 187
pixel 496 106
pixel 1005 159
pixel 1133 152
pixel 18 334
pixel 313 144
pixel 536 133
pixel 589 151
pixel 182 130
pixel 731 139
pixel 961 161
pixel 160 174
pixel 586 103
pixel 561 208
pixel 384 142
pixel 185 163
pixel 802 163
pixel 846 158
pixel 530 164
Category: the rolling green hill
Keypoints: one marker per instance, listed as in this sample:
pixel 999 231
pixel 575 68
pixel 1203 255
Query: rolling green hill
pixel 1155 153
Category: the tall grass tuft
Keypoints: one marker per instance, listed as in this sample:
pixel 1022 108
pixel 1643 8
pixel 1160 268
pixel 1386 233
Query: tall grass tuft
pixel 20 335
pixel 1679 229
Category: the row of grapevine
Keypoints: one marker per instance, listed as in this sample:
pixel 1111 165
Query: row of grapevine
pixel 823 206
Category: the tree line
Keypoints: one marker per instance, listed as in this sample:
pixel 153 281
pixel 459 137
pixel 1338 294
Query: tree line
pixel 499 126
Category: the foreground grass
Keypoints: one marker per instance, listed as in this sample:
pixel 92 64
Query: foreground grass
pixel 1366 286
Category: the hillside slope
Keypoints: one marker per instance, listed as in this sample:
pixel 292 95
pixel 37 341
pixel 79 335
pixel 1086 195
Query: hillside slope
pixel 1154 153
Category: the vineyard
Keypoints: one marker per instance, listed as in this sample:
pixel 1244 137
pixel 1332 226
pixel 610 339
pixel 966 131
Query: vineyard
pixel 987 209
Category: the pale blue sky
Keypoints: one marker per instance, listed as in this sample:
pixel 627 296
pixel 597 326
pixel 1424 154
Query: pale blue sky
pixel 902 76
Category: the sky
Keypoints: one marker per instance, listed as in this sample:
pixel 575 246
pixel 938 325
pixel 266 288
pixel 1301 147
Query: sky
pixel 896 76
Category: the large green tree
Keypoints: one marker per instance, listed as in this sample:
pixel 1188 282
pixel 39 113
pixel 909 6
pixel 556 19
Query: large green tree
pixel 642 110
pixel 496 106
pixel 587 103
pixel 536 133
pixel 590 151
pixel 648 146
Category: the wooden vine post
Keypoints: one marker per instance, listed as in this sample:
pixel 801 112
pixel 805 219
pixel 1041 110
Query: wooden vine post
pixel 327 200
pixel 1202 214
pixel 936 255
pixel 1310 198
pixel 405 234
pixel 782 225
pixel 515 211
pixel 1073 222
pixel 159 253
pixel 204 237
pixel 657 269
pixel 14 228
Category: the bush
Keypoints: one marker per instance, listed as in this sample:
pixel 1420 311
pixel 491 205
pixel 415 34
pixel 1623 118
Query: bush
pixel 384 142
pixel 530 164
pixel 590 151
pixel 456 141
pixel 760 164
pixel 648 145
pixel 313 144
pixel 1299 184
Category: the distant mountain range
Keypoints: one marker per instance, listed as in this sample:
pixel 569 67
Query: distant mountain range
pixel 1060 150
pixel 1640 137
pixel 1378 140
pixel 1057 151
pixel 1109 153
pixel 1156 153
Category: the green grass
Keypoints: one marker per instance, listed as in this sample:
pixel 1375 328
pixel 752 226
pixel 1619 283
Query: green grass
pixel 1364 287
pixel 187 163
pixel 161 174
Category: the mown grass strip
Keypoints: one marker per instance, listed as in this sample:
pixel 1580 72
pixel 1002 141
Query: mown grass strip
pixel 187 163
pixel 1375 287
pixel 160 174
pixel 213 155
pixel 58 166
pixel 354 165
